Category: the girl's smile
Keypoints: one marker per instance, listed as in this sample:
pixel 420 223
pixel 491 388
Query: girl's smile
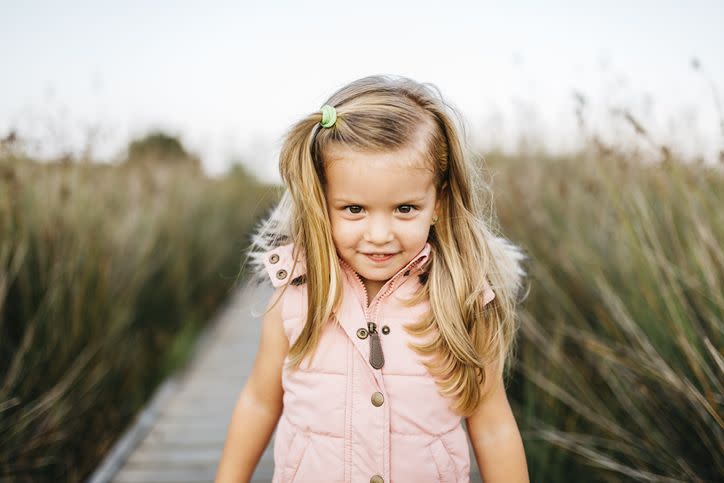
pixel 380 258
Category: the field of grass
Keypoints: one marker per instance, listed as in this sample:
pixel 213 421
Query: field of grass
pixel 620 373
pixel 108 273
pixel 106 276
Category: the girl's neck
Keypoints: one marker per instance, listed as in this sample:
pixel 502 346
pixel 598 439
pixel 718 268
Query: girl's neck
pixel 372 286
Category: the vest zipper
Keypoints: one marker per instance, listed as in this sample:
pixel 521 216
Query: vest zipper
pixel 377 357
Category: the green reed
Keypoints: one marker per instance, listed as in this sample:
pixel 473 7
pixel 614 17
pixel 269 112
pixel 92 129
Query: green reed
pixel 106 275
pixel 620 356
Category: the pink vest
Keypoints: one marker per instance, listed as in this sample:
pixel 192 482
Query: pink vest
pixel 343 419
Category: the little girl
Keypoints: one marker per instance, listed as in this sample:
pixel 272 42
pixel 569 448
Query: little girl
pixel 394 310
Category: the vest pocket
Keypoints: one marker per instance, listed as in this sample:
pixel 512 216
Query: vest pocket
pixel 297 447
pixel 443 461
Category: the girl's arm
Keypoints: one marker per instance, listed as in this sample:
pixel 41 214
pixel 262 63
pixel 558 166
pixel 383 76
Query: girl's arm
pixel 259 405
pixel 496 439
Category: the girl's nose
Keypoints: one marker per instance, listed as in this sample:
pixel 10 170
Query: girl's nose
pixel 378 232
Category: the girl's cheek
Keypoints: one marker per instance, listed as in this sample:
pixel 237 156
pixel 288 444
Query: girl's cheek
pixel 343 228
pixel 422 229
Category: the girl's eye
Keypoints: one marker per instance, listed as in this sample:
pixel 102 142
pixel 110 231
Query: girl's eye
pixel 353 207
pixel 356 209
pixel 409 209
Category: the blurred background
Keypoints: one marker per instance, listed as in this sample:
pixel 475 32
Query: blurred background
pixel 85 77
pixel 138 148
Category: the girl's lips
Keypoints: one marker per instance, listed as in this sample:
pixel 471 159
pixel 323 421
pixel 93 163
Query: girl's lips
pixel 378 259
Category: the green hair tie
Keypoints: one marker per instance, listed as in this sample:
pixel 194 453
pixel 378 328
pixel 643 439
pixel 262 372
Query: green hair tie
pixel 329 115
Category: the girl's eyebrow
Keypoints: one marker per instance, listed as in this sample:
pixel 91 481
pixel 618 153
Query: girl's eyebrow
pixel 344 200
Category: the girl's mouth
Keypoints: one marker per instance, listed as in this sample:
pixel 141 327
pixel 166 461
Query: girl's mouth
pixel 379 258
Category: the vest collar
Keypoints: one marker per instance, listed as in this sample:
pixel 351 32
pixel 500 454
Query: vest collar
pixel 416 264
pixel 279 261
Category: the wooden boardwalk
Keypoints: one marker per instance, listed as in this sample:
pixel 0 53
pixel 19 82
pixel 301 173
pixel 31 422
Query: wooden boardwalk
pixel 179 436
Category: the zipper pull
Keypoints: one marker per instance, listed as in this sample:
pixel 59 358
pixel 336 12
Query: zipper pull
pixel 377 358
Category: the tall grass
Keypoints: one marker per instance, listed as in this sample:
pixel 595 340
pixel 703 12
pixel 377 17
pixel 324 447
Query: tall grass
pixel 106 276
pixel 621 365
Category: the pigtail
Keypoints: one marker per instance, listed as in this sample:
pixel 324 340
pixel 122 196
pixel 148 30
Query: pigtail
pixel 302 173
pixel 472 344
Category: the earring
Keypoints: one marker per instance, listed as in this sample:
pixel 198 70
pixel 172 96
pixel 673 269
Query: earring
pixel 434 219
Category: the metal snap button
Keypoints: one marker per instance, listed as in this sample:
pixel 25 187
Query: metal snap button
pixel 377 399
pixel 377 479
pixel 282 274
pixel 385 329
pixel 274 258
pixel 362 333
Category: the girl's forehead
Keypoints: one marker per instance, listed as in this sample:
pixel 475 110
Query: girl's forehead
pixel 342 159
pixel 372 178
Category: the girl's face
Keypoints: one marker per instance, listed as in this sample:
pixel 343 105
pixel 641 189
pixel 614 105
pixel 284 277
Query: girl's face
pixel 379 203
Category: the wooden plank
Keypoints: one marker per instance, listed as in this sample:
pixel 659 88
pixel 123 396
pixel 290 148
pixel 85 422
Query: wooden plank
pixel 169 475
pixel 114 460
pixel 175 456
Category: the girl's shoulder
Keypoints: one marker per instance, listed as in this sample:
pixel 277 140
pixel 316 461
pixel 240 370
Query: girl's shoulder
pixel 277 265
pixel 280 266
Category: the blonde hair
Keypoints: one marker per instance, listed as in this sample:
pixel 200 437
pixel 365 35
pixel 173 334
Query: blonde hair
pixel 470 342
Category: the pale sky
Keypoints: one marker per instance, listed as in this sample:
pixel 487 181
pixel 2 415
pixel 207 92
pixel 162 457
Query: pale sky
pixel 230 77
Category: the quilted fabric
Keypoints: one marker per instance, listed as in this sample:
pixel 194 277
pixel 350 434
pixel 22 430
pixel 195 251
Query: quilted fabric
pixel 345 421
